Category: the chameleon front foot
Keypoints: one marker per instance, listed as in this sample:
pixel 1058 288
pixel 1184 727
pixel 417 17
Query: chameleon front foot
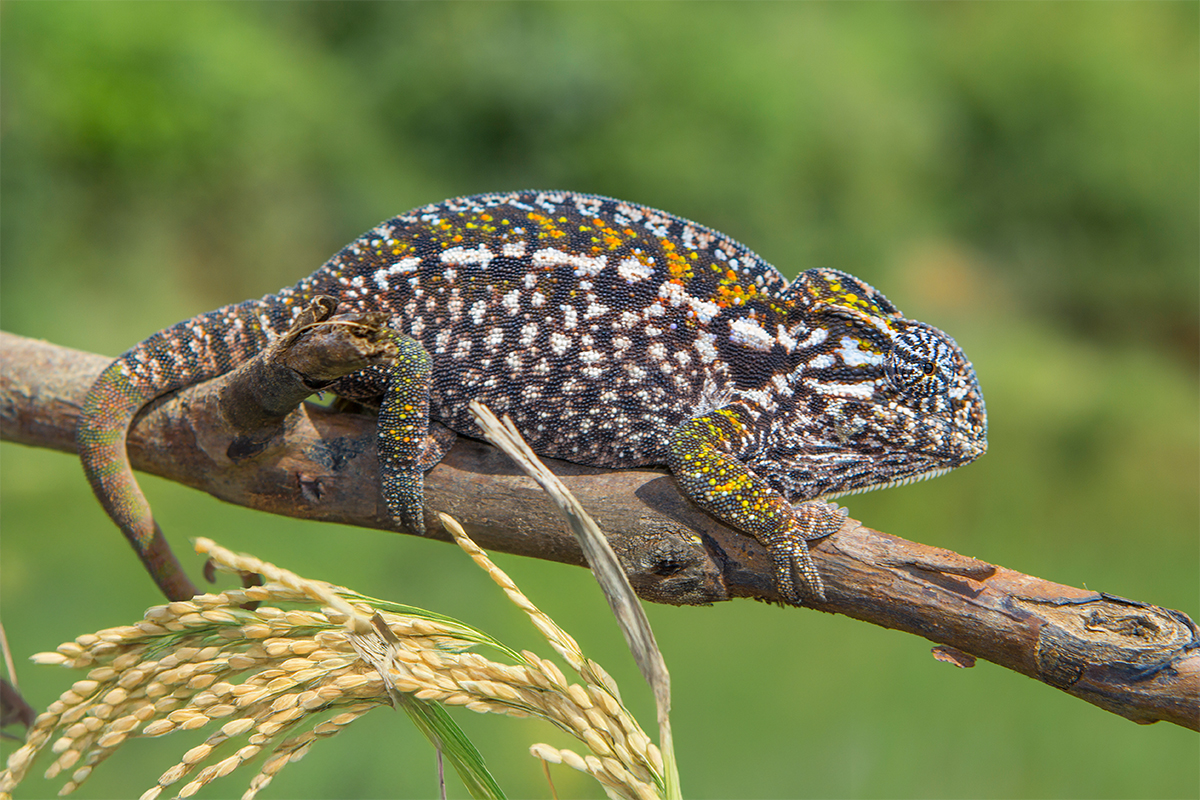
pixel 790 555
pixel 704 459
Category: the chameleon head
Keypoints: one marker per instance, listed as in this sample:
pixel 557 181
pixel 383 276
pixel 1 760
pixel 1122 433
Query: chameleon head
pixel 931 386
pixel 884 400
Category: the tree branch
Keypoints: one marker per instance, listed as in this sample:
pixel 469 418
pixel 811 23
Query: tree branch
pixel 1134 659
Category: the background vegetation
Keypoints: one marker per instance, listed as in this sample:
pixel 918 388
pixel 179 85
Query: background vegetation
pixel 1022 175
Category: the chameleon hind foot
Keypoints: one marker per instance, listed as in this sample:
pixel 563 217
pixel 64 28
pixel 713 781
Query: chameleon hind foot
pixel 789 550
pixel 403 483
pixel 404 434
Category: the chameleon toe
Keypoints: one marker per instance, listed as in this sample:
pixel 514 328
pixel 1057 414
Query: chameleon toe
pixel 792 561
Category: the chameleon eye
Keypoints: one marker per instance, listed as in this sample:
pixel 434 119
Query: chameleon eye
pixel 920 363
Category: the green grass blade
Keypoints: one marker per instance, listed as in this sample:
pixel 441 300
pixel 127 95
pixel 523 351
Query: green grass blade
pixel 434 721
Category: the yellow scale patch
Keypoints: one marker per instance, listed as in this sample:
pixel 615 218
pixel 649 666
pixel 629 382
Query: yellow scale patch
pixel 549 230
pixel 677 265
pixel 836 293
pixel 607 237
pixel 467 228
pixel 731 292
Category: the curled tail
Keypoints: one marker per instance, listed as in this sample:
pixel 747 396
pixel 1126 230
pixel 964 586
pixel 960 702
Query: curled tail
pixel 190 352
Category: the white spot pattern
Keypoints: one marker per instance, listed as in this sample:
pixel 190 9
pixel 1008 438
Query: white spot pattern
pixel 584 265
pixel 748 333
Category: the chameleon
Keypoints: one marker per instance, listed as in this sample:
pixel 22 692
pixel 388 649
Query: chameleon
pixel 613 335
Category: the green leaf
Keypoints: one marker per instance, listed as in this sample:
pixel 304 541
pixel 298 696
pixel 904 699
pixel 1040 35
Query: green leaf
pixel 434 721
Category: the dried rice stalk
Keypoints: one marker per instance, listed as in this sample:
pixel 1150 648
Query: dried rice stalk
pixel 299 668
pixel 605 567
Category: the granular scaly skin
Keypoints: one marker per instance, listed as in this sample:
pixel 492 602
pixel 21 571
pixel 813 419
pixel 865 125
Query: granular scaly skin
pixel 613 335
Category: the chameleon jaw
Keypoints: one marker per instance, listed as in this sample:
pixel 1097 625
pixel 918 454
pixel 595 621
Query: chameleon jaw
pixel 921 476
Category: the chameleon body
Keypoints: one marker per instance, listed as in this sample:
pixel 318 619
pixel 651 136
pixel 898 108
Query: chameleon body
pixel 613 335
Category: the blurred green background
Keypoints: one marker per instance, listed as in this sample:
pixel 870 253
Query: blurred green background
pixel 1022 175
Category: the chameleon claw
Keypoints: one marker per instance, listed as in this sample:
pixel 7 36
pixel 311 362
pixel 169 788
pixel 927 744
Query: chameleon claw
pixel 404 493
pixel 789 550
pixel 416 524
pixel 803 563
pixel 789 553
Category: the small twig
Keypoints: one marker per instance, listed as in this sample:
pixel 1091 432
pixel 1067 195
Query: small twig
pixel 13 707
pixel 9 666
pixel 549 780
pixel 441 772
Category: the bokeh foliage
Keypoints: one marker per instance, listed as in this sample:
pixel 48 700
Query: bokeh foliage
pixel 1023 175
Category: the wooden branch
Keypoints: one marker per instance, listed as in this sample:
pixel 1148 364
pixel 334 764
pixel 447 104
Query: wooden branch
pixel 1134 659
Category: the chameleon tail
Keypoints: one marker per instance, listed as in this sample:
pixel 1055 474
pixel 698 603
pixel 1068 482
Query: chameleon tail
pixel 190 352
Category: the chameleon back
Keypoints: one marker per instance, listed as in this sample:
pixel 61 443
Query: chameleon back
pixel 597 325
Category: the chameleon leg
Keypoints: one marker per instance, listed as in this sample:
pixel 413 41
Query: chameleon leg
pixel 403 429
pixel 703 459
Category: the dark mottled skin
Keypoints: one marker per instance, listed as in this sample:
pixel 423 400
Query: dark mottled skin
pixel 613 335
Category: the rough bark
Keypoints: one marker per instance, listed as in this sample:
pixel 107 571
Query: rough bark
pixel 1134 659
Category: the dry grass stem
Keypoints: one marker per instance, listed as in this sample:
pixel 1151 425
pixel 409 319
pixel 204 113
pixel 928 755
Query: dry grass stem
pixel 299 668
pixel 609 574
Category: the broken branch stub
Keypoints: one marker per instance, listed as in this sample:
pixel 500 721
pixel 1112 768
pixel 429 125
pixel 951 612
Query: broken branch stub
pixel 317 350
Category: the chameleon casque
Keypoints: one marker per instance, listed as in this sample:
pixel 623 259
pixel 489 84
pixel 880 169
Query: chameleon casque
pixel 613 335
